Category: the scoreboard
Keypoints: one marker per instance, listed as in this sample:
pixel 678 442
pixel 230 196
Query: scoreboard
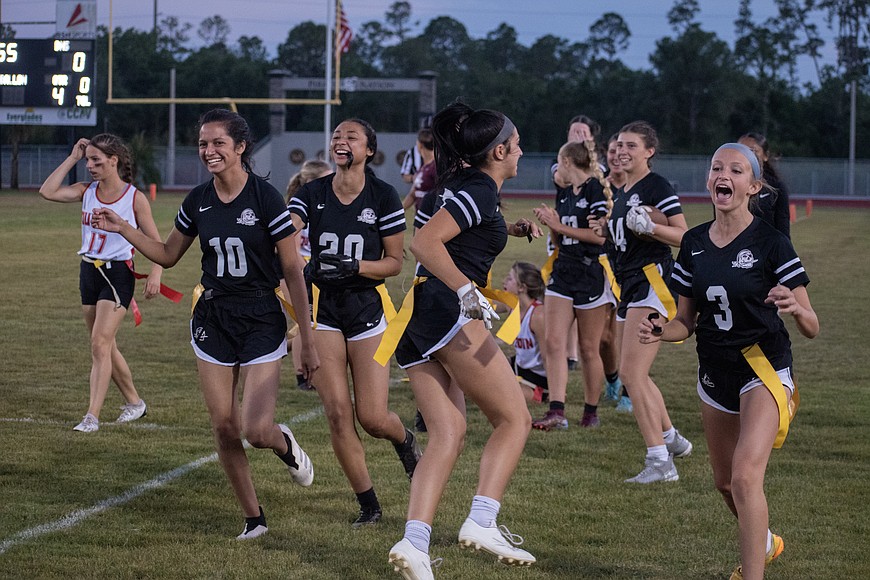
pixel 47 81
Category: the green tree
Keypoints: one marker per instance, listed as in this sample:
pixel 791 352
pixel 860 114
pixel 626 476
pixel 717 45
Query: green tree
pixel 173 36
pixel 138 72
pixel 608 36
pixel 695 71
pixel 304 53
pixel 398 19
pixel 252 48
pixel 370 41
pixel 214 30
pixel 682 15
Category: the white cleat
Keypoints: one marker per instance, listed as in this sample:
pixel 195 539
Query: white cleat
pixel 495 540
pixel 303 473
pixel 130 412
pixel 410 562
pixel 251 533
pixel 89 424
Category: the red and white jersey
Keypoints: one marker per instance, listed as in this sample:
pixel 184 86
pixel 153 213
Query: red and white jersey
pixel 99 244
pixel 528 351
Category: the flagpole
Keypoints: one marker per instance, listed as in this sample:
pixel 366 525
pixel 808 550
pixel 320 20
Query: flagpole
pixel 327 89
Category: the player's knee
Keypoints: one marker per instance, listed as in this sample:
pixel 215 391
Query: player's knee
pixel 745 482
pixel 259 435
pixel 339 418
pixel 226 432
pixel 376 425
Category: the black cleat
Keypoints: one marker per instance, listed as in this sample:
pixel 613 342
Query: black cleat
pixel 409 453
pixel 419 423
pixel 367 517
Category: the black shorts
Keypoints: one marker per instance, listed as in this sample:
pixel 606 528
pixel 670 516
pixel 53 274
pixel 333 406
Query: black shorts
pixel 230 330
pixel 581 281
pixel 94 287
pixel 725 375
pixel 357 313
pixel 635 290
pixel 435 321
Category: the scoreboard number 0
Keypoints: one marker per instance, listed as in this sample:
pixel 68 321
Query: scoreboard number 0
pixel 57 73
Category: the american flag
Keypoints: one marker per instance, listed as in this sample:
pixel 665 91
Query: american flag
pixel 345 34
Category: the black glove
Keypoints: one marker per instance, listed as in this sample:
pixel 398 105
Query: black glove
pixel 335 267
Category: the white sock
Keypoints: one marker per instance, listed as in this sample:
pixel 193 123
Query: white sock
pixel 669 435
pixel 484 511
pixel 658 452
pixel 418 533
pixel 769 541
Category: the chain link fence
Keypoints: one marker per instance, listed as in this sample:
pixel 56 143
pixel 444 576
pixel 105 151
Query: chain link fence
pixel 816 178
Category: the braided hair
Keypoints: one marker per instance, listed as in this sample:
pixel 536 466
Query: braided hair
pixel 114 146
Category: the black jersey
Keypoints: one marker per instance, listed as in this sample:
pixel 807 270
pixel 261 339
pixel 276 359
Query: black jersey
pixel 237 238
pixel 729 285
pixel 356 229
pixel 632 252
pixel 573 210
pixel 771 204
pixel 431 203
pixel 472 200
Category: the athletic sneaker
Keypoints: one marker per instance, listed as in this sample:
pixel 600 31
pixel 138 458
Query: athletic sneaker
pixel 304 384
pixel 89 424
pixel 409 453
pixel 254 527
pixel 624 405
pixel 573 363
pixel 551 420
pixel 680 447
pixel 495 540
pixel 410 562
pixel 611 390
pixel 590 421
pixel 656 470
pixel 130 412
pixel 775 550
pixel 300 467
pixel 367 517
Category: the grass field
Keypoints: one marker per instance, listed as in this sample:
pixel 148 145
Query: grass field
pixel 148 500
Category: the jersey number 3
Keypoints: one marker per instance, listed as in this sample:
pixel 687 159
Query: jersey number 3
pixel 719 295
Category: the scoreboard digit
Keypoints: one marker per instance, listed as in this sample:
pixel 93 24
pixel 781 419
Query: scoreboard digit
pixel 46 73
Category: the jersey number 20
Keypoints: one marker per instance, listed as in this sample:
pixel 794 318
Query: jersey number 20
pixel 353 244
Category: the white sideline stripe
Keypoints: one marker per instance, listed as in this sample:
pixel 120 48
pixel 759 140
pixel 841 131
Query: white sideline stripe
pixel 130 425
pixel 77 516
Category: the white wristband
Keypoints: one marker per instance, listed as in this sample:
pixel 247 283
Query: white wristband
pixel 465 290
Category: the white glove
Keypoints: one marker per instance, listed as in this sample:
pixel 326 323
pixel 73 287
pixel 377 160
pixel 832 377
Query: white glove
pixel 638 221
pixel 473 304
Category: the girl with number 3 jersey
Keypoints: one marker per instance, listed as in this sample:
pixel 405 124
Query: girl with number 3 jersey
pixel 736 278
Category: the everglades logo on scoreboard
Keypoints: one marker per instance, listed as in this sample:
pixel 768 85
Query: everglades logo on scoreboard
pixel 76 19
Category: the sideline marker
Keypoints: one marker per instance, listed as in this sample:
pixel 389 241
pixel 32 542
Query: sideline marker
pixel 792 213
pixel 152 191
pixel 809 207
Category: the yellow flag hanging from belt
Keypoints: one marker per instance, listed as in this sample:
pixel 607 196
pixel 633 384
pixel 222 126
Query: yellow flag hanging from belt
pixel 765 371
pixel 396 326
pixel 611 277
pixel 661 289
pixel 547 268
pixel 511 327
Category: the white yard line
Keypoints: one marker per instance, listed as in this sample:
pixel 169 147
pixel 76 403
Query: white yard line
pixel 74 518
